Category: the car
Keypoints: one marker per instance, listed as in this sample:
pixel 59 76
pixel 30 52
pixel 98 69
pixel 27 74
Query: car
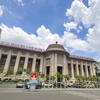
pixel 20 84
pixel 58 84
pixel 47 84
pixel 37 86
pixel 75 85
pixel 89 85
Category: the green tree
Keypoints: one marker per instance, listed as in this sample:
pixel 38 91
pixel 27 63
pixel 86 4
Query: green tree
pixel 67 77
pixel 79 78
pixel 9 74
pixel 97 66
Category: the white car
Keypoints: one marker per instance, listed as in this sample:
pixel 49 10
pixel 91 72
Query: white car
pixel 89 85
pixel 19 84
pixel 47 84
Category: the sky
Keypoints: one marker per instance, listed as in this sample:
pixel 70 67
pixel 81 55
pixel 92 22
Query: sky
pixel 39 23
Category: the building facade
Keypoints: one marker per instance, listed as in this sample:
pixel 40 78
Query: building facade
pixel 24 59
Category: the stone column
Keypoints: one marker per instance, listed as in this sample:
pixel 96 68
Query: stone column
pixel 72 70
pixel 26 63
pixel 7 62
pixel 93 68
pixel 34 63
pixel 82 68
pixel 44 65
pixel 55 65
pixel 65 66
pixel 0 54
pixel 41 64
pixel 77 68
pixel 86 69
pixel 17 62
pixel 52 65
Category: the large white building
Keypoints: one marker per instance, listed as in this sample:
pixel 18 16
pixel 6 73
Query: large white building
pixel 23 59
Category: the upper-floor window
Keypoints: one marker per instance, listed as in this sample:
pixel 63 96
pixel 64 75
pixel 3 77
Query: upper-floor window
pixel 48 61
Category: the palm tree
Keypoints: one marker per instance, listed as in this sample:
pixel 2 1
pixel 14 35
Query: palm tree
pixel 59 77
pixel 52 78
pixel 67 77
pixel 41 76
pixel 24 70
pixel 47 77
pixel 79 78
pixel 97 66
pixel 10 72
pixel 15 73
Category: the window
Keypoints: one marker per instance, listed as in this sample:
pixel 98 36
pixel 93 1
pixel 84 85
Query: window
pixel 48 61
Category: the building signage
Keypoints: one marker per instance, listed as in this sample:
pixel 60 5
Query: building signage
pixel 20 46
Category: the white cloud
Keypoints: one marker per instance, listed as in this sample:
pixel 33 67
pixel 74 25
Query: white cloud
pixel 17 35
pixel 21 2
pixel 71 25
pixel 43 38
pixel 93 37
pixel 33 1
pixel 1 10
pixel 78 11
pixel 74 42
pixel 89 16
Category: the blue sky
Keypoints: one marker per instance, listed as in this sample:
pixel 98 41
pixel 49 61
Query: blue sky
pixel 73 23
pixel 32 15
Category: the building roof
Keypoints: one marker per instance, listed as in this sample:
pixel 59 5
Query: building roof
pixel 55 47
pixel 52 47
pixel 81 57
pixel 19 46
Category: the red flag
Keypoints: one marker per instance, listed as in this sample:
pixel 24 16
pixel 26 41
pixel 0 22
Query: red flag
pixel 56 42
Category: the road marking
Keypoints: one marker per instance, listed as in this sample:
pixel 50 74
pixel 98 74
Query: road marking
pixel 96 99
pixel 83 95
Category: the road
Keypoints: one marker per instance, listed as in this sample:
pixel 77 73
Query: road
pixel 11 93
pixel 50 95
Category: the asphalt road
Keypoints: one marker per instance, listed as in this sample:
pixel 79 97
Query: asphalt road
pixel 12 93
pixel 51 95
pixel 95 92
